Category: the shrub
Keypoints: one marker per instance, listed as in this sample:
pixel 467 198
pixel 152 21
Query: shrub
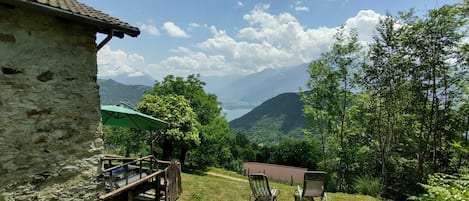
pixel 445 187
pixel 368 185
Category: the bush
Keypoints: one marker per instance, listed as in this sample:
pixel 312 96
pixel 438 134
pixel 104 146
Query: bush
pixel 368 185
pixel 445 187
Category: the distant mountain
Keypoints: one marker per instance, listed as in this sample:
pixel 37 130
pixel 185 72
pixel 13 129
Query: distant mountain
pixel 113 92
pixel 251 90
pixel 132 80
pixel 214 84
pixel 273 120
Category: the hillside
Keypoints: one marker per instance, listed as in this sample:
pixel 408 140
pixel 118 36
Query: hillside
pixel 113 92
pixel 273 120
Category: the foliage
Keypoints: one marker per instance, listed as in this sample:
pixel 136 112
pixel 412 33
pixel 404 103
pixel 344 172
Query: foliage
pixel 205 105
pixel 183 125
pixel 274 120
pixel 296 152
pixel 212 126
pixel 368 185
pixel 215 146
pixel 398 112
pixel 126 141
pixel 445 187
pixel 328 106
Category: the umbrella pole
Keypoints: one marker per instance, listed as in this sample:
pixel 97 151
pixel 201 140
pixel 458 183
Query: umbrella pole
pixel 151 150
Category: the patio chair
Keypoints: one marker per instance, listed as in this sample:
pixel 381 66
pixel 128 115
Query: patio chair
pixel 260 189
pixel 313 186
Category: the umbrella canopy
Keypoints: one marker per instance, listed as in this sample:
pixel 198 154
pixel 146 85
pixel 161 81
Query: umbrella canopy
pixel 118 115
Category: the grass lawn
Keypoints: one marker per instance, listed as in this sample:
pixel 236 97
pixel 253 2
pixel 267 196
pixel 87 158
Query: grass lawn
pixel 209 187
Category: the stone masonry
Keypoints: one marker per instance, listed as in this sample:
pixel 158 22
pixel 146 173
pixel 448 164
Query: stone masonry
pixel 49 108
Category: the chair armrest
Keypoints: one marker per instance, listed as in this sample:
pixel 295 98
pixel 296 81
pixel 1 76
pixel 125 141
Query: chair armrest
pixel 298 192
pixel 275 191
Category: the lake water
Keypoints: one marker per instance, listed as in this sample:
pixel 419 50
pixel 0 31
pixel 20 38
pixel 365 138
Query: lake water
pixel 235 113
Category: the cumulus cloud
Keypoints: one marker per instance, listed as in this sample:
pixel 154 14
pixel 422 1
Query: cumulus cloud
pixel 240 4
pixel 117 62
pixel 174 31
pixel 268 41
pixel 149 29
pixel 365 23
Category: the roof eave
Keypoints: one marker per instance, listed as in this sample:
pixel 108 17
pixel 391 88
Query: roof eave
pixel 102 26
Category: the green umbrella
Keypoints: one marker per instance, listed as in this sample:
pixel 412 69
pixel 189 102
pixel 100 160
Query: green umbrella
pixel 119 115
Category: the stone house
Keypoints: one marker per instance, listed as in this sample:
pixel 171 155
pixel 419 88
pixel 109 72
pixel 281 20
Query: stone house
pixel 49 101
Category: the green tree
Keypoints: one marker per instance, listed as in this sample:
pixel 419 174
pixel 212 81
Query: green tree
pixel 327 103
pixel 126 141
pixel 433 43
pixel 183 125
pixel 215 145
pixel 205 106
pixel 296 152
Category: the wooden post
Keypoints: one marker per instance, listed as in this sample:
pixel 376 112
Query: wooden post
pixel 130 196
pixel 157 188
pixel 140 169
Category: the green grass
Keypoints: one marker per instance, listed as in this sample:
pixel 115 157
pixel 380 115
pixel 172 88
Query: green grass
pixel 208 187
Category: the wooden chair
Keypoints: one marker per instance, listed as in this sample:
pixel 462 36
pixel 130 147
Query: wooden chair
pixel 313 186
pixel 260 189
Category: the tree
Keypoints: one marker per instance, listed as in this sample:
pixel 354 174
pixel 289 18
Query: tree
pixel 433 44
pixel 215 145
pixel 204 105
pixel 183 125
pixel 327 103
pixel 296 152
pixel 383 77
pixel 126 141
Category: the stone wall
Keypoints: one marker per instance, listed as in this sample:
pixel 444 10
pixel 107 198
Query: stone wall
pixel 49 108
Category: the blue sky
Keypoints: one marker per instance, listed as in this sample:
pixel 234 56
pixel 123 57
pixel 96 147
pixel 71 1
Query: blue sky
pixel 224 37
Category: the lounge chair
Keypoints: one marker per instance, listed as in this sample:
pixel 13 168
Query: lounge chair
pixel 260 189
pixel 313 186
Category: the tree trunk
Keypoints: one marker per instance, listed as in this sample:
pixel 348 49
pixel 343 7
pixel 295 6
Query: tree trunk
pixel 167 149
pixel 182 154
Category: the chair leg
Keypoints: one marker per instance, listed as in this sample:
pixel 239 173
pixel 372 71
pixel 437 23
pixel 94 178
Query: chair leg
pixel 324 197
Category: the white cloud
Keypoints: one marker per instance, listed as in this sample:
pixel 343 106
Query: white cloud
pixel 174 31
pixel 117 62
pixel 269 41
pixel 365 23
pixel 240 4
pixel 180 50
pixel 193 24
pixel 302 8
pixel 150 29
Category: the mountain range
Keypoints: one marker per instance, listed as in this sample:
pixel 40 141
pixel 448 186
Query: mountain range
pixel 113 92
pixel 241 92
pixel 252 90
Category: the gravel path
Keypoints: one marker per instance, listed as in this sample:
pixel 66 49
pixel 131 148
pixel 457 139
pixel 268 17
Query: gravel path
pixel 226 176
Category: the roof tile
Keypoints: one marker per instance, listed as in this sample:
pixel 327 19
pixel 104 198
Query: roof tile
pixel 84 11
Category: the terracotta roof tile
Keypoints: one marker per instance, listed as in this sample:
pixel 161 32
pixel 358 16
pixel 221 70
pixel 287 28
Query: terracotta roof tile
pixel 75 9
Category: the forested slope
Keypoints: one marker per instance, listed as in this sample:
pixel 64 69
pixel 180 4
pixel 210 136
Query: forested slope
pixel 273 120
pixel 113 92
